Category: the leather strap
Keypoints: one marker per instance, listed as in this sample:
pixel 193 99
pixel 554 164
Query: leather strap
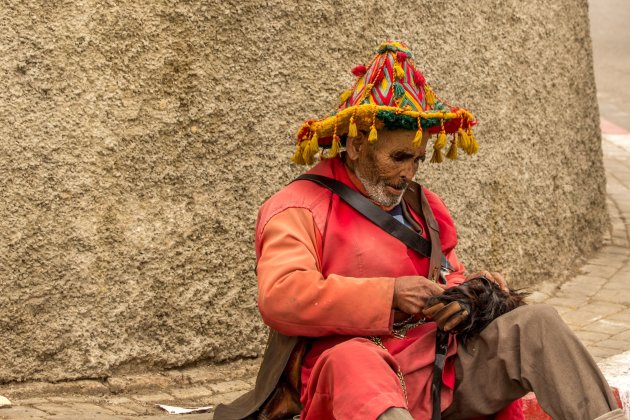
pixel 441 347
pixel 373 213
pixel 416 199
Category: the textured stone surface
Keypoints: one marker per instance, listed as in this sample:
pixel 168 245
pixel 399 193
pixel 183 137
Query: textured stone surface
pixel 138 139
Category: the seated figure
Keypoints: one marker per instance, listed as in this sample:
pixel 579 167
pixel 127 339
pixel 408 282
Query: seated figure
pixel 348 257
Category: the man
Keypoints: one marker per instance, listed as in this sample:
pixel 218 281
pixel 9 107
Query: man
pixel 346 298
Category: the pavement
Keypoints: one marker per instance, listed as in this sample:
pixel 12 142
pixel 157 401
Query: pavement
pixel 595 304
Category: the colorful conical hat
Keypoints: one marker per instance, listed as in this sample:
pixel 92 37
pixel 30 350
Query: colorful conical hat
pixel 388 93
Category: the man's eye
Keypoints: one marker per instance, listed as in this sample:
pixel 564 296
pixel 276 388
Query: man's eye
pixel 399 158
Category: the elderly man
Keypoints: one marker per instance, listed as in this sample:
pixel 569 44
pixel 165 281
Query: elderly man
pixel 348 256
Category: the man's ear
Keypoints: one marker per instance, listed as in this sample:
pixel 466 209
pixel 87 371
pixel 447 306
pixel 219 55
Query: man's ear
pixel 354 145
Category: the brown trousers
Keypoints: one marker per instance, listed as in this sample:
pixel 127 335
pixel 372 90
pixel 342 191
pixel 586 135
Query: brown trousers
pixel 529 349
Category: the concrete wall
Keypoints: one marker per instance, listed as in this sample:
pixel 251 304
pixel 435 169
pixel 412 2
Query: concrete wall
pixel 137 140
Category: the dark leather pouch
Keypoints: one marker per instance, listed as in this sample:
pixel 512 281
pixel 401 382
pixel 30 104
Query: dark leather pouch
pixel 284 402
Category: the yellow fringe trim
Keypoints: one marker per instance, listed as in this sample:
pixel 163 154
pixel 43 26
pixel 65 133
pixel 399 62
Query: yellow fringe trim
pixel 400 73
pixel 345 95
pixel 352 129
pixel 452 151
pixel 363 116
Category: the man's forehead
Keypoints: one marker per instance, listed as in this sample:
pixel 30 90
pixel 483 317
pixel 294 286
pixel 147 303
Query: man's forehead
pixel 400 141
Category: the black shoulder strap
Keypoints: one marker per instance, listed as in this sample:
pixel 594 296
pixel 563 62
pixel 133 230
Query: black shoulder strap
pixel 373 213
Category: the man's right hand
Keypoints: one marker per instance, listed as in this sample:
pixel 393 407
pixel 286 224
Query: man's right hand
pixel 411 293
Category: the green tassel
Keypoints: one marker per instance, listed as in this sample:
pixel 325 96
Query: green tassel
pixel 399 90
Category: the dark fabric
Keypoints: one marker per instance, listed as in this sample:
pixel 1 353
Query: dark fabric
pixel 277 353
pixel 529 349
pixel 441 347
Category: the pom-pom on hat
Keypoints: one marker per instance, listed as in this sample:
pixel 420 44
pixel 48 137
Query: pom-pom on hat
pixel 389 93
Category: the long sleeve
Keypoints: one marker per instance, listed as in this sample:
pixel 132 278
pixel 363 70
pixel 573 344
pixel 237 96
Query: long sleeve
pixel 457 276
pixel 295 298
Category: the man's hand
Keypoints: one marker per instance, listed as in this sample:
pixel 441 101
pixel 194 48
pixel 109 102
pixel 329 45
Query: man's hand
pixel 448 316
pixel 411 293
pixel 493 277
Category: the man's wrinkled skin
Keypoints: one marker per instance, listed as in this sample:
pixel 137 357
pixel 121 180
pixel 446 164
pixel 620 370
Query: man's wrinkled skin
pixel 384 169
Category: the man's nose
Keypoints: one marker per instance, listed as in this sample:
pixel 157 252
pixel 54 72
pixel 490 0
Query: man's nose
pixel 408 171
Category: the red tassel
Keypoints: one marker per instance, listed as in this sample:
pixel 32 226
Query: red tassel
pixel 401 56
pixel 359 70
pixel 419 78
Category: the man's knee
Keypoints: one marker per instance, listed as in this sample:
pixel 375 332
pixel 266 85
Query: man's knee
pixel 532 316
pixel 529 323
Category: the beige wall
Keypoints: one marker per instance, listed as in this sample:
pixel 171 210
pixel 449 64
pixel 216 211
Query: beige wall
pixel 137 140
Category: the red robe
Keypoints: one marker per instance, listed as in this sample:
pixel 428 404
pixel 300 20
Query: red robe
pixel 324 271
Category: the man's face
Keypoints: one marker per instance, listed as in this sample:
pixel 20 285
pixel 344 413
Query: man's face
pixel 386 167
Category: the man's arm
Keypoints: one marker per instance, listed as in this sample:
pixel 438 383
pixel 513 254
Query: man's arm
pixel 457 276
pixel 295 298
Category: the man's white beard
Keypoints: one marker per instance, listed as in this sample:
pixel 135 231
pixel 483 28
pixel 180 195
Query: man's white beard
pixel 377 192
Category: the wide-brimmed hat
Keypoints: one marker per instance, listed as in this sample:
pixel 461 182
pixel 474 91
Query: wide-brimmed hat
pixel 390 92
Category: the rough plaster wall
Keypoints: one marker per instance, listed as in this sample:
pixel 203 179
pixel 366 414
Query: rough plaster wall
pixel 137 140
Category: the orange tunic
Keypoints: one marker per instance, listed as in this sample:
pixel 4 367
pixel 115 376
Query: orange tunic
pixel 324 271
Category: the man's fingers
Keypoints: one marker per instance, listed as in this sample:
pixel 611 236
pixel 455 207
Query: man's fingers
pixel 455 320
pixel 429 312
pixel 477 274
pixel 498 279
pixel 445 313
pixel 492 276
pixel 448 316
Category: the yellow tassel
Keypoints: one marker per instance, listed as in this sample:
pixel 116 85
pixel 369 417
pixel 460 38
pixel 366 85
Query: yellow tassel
pixel 464 141
pixel 400 73
pixel 373 134
pixel 297 157
pixel 314 144
pixel 452 151
pixel 429 95
pixel 310 149
pixel 417 140
pixel 335 147
pixel 474 146
pixel 345 95
pixel 440 143
pixel 307 156
pixel 352 129
pixel 437 156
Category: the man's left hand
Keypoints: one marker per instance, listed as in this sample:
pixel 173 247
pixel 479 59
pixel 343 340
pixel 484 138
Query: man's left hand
pixel 448 316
